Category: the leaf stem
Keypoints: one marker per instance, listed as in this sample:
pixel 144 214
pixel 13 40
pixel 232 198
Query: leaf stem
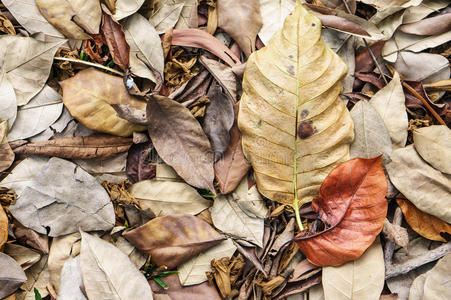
pixel 83 62
pixel 296 213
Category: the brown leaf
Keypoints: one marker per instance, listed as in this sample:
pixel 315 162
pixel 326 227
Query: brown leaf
pixel 353 207
pixel 293 288
pixel 115 39
pixel 424 224
pixel 139 165
pixel 223 74
pixel 178 292
pixel 172 240
pixel 241 19
pixel 3 228
pixel 6 153
pixel 372 78
pixel 130 114
pixel 429 26
pixel 180 141
pixel 363 61
pixel 29 237
pixel 80 147
pixel 233 166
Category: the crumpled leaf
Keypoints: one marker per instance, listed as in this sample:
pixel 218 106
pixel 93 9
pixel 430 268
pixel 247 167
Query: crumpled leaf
pixel 294 134
pixel 429 26
pixel 3 228
pixel 166 16
pixel 273 16
pixel 11 275
pixel 72 18
pixel 389 102
pixel 80 147
pixel 178 292
pixel 107 272
pixel 5 25
pixel 179 238
pixel 115 40
pixel 352 203
pixel 427 188
pixel 193 271
pixel 27 63
pixel 90 102
pixel 424 224
pixel 36 116
pixel 71 280
pixel 180 141
pixel 228 217
pixel 433 143
pixel 8 106
pixel 360 279
pixel 236 15
pixel 125 8
pixel 6 153
pixel 64 198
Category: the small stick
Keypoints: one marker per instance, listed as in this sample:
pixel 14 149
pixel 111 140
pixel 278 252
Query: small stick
pixel 89 64
pixel 390 245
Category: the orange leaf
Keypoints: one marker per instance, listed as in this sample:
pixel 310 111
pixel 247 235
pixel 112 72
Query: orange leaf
pixel 424 224
pixel 352 203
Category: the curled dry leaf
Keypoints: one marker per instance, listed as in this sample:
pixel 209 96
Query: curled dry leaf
pixel 115 40
pixel 6 153
pixel 295 127
pixel 433 143
pixel 424 224
pixel 172 240
pixel 429 26
pixel 72 18
pixel 108 273
pixel 180 141
pixel 79 147
pixel 11 275
pixel 352 204
pixel 90 102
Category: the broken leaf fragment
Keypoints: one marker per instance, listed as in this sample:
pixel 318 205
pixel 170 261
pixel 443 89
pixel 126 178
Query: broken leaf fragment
pixel 11 275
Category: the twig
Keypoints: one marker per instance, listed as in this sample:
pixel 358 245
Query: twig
pixel 74 60
pixel 390 245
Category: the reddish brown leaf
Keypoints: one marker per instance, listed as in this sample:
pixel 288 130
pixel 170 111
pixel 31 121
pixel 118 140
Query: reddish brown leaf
pixel 372 78
pixel 352 204
pixel 115 39
pixel 430 26
pixel 139 165
pixel 178 292
pixel 172 240
pixel 363 61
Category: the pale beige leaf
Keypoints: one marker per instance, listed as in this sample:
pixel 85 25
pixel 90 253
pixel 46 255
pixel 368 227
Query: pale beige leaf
pixel 273 15
pixel 37 277
pixel 71 281
pixel 427 188
pixel 384 4
pixel 250 200
pixel 8 106
pixel 188 16
pixel 169 197
pixel 316 292
pixel 24 256
pixel 166 17
pixel 27 63
pixel 426 7
pixel 6 153
pixel 125 8
pixel 193 271
pixel 434 145
pixel 389 102
pixel 115 164
pixel 356 280
pixel 412 67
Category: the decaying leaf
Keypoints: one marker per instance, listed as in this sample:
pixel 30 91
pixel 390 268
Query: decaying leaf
pixel 433 143
pixel 273 15
pixel 115 40
pixel 11 275
pixel 90 102
pixel 412 67
pixel 3 228
pixel 295 128
pixel 64 198
pixel 178 238
pixel 108 273
pixel 353 207
pixel 139 165
pixel 180 141
pixel 24 256
pixel 6 153
pixel 427 188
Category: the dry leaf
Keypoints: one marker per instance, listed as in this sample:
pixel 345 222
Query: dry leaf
pixel 273 16
pixel 115 40
pixel 429 26
pixel 352 203
pixel 295 127
pixel 250 200
pixel 139 165
pixel 73 18
pixel 90 103
pixel 180 141
pixel 433 143
pixel 412 67
pixel 125 8
pixel 38 278
pixel 427 188
pixel 24 256
pixel 178 292
pixel 3 228
pixel 71 281
pixel 223 75
pixel 424 224
pixel 11 276
pixel 8 106
pixel 6 153
pixel 179 238
pixel 107 272
pixel 166 16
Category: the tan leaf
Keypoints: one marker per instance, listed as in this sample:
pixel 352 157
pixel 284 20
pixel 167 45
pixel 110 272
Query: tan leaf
pixel 429 26
pixel 125 8
pixel 6 153
pixel 90 102
pixel 3 228
pixel 273 16
pixel 8 105
pixel 433 143
pixel 295 127
pixel 223 74
pixel 11 275
pixel 166 16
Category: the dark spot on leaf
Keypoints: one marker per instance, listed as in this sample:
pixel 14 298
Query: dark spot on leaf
pixel 304 113
pixel 313 25
pixel 306 129
pixel 259 123
pixel 290 69
pixel 290 56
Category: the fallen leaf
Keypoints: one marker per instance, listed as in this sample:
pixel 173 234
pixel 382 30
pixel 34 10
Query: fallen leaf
pixel 352 203
pixel 166 16
pixel 293 135
pixel 193 271
pixel 71 280
pixel 359 279
pixel 433 143
pixel 315 293
pixel 169 197
pixel 79 147
pixel 5 25
pixel 60 190
pixel 363 61
pixel 180 141
pixel 11 275
pixel 145 47
pixel 3 228
pixel 389 102
pixel 371 135
pixel 225 273
pixel 90 103
pixel 125 8
pixel 139 165
pixel 412 67
pixel 234 15
pixel 24 256
pixel 6 153
pixel 37 278
pixel 419 12
pixel 115 40
pixel 228 217
pixel 273 16
pixel 31 238
pixel 107 272
pixel 115 164
pixel 176 291
pixel 74 18
pixel 429 26
pixel 8 105
pixel 250 200
pixel 223 75
pixel 27 63
pixel 179 238
pixel 427 188
pixel 424 224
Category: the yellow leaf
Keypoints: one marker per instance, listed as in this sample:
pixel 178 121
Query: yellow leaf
pixel 295 127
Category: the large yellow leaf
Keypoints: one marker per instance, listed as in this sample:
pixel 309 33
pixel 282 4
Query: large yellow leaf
pixel 295 127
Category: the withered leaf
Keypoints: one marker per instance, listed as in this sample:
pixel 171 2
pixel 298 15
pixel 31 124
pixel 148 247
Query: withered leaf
pixel 223 74
pixel 273 15
pixel 79 147
pixel 139 165
pixel 6 153
pixel 429 26
pixel 180 141
pixel 3 228
pixel 115 39
pixel 172 240
pixel 11 275
pixel 178 292
pixel 125 8
pixel 433 143
pixel 352 204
